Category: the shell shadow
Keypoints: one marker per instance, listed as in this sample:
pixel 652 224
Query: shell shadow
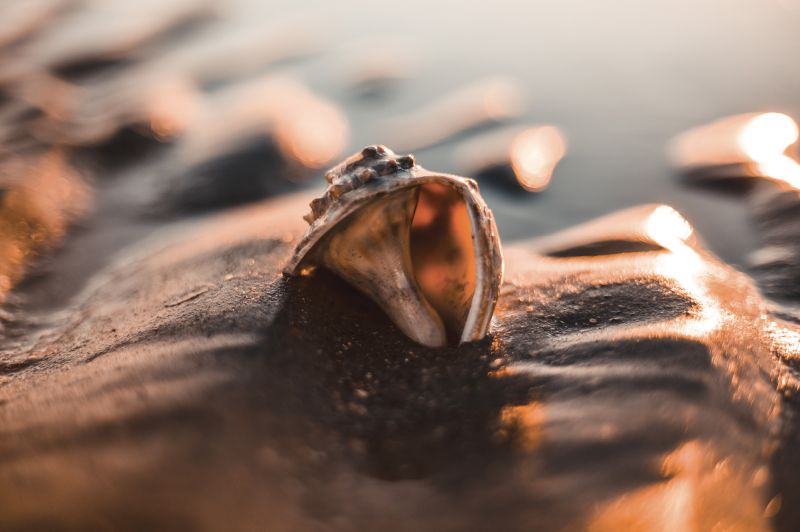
pixel 404 411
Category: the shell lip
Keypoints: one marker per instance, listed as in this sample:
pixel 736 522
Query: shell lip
pixel 376 172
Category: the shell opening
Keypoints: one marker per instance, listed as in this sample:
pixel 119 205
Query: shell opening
pixel 443 255
pixel 412 252
pixel 421 245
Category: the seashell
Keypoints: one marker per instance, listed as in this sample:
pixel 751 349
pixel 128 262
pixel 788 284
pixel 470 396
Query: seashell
pixel 422 245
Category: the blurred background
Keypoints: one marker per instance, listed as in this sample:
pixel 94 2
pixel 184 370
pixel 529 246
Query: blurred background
pixel 562 110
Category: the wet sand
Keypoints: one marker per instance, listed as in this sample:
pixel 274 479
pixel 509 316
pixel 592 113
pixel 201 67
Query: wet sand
pixel 195 386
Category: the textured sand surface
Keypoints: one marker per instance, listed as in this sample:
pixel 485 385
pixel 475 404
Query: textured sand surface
pixel 194 386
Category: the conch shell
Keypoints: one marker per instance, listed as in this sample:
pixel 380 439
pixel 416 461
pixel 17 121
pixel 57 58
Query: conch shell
pixel 423 245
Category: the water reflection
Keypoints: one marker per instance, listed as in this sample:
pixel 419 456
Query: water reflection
pixel 523 156
pixel 666 227
pixel 753 144
pixel 765 140
pixel 684 265
pixel 767 135
pixel 781 168
pixel 636 229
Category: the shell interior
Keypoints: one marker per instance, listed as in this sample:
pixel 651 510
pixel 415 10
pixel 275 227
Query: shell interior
pixel 443 255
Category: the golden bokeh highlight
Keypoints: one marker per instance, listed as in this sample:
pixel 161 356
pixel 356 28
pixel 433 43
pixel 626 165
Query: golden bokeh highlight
pixel 534 154
pixel 761 143
pixel 765 140
pixel 667 228
pixel 767 136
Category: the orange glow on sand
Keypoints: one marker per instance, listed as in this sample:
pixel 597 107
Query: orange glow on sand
pixel 696 478
pixel 35 211
pixel 535 152
pixel 522 424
